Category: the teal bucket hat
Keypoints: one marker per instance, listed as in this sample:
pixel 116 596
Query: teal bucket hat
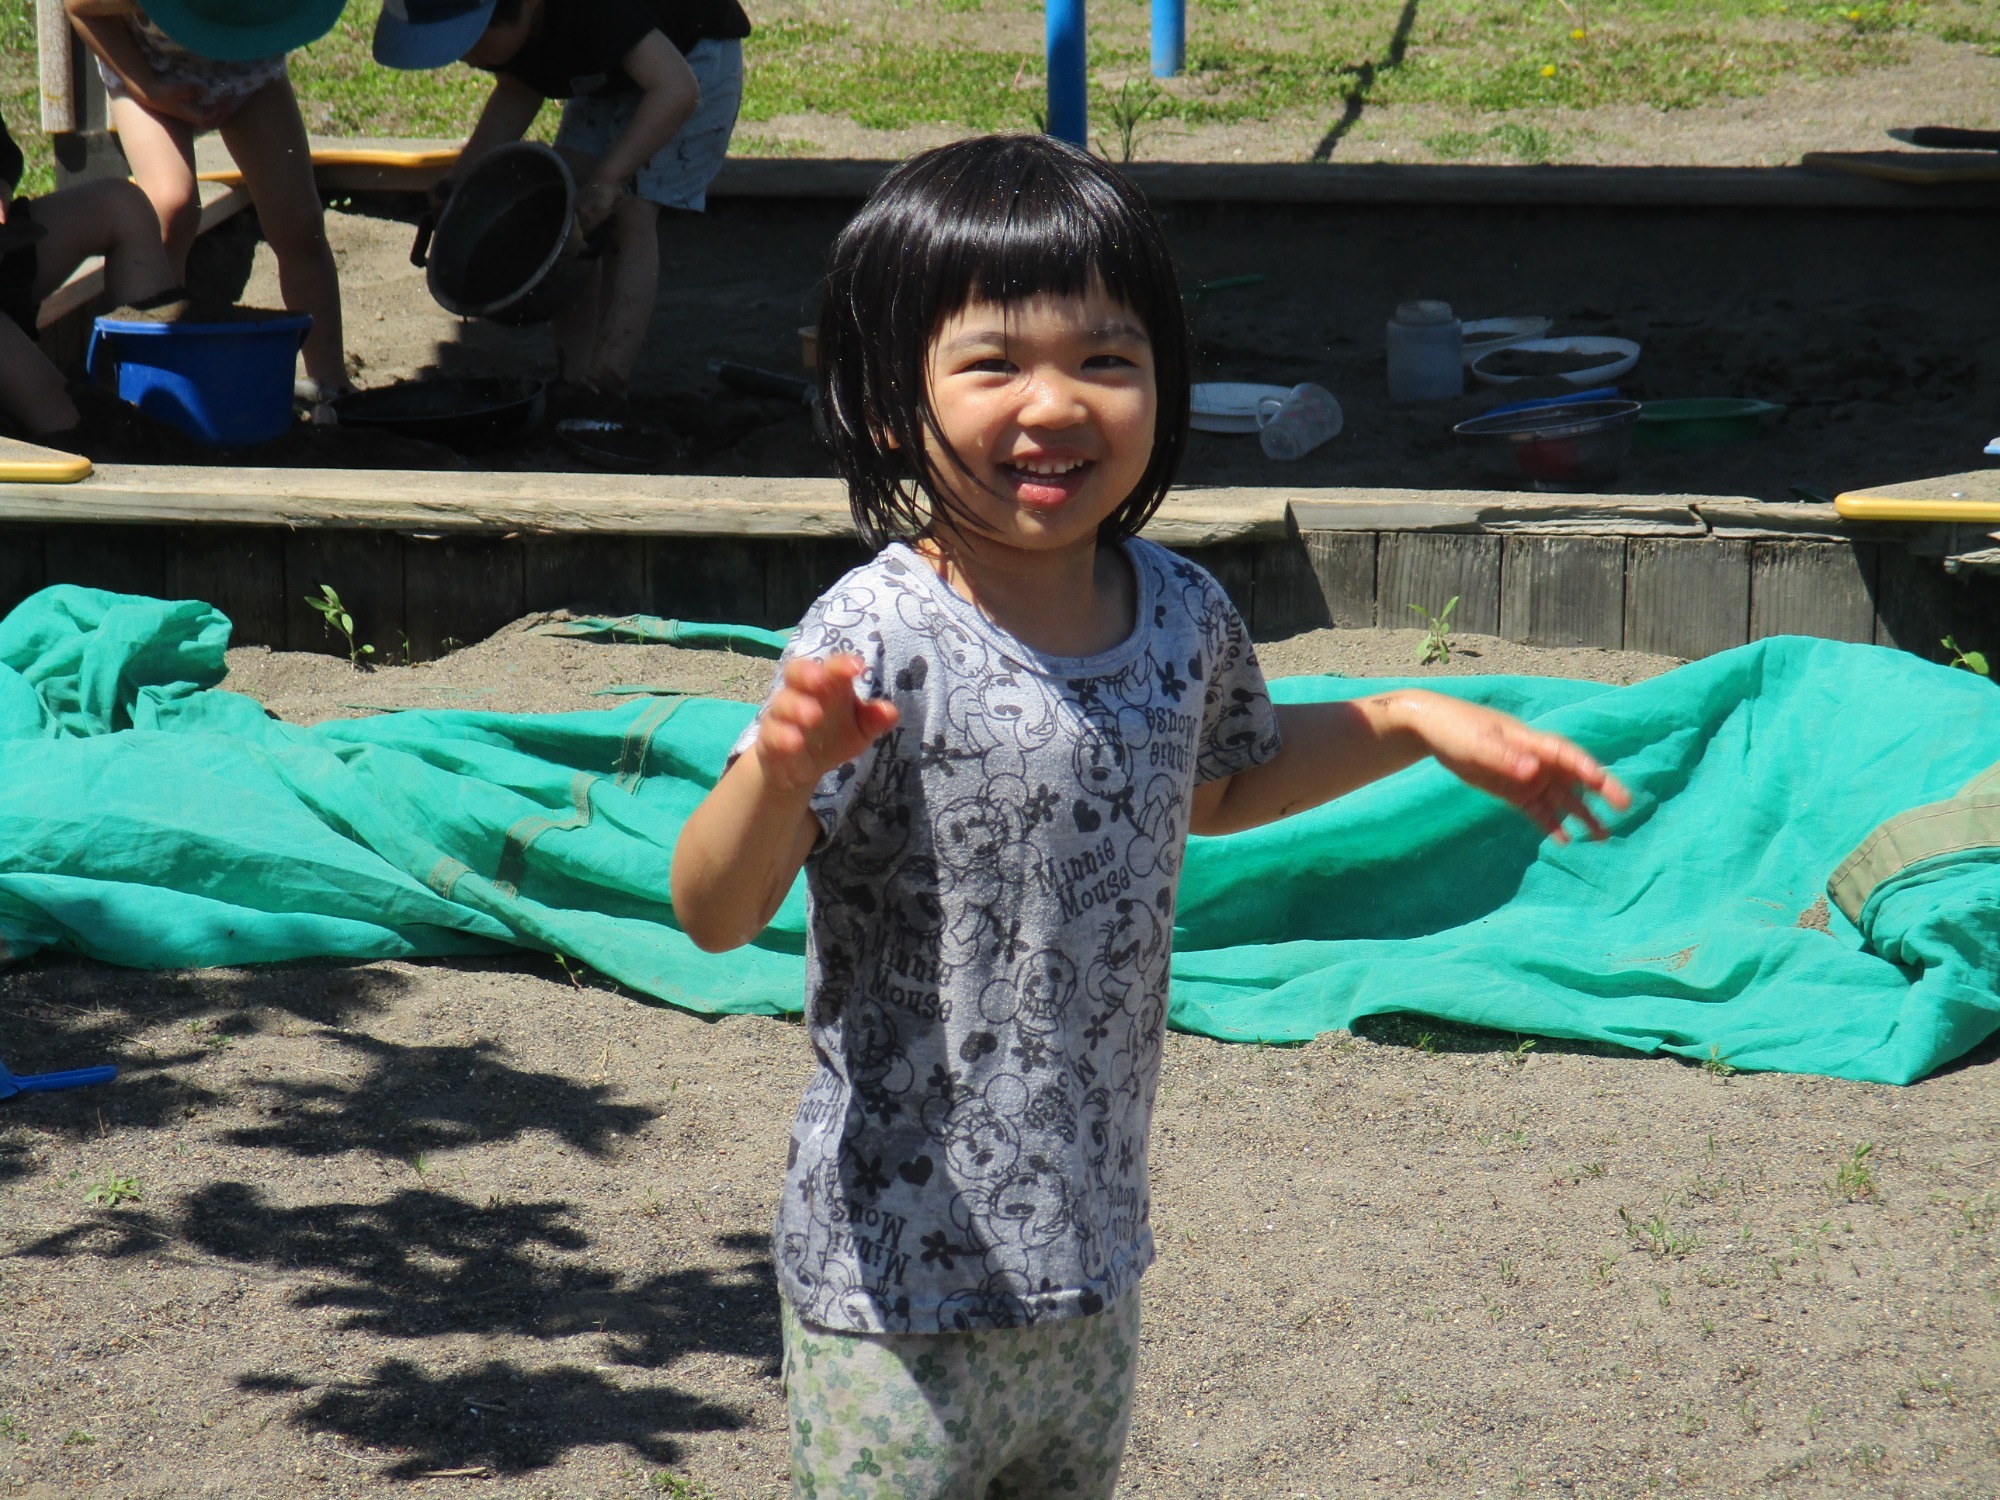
pixel 243 30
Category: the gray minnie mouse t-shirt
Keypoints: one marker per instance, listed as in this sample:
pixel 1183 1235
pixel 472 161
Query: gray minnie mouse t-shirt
pixel 992 910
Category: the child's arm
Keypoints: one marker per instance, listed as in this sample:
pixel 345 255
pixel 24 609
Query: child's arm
pixel 739 853
pixel 508 112
pixel 101 24
pixel 670 98
pixel 1333 748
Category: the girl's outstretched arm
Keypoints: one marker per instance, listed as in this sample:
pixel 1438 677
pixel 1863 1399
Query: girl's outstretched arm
pixel 740 851
pixel 1332 748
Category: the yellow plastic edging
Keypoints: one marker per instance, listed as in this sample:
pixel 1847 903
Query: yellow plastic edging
pixel 57 468
pixel 414 161
pixel 1875 508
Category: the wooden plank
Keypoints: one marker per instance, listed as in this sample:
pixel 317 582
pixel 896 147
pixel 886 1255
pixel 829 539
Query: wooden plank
pixel 1563 591
pixel 238 569
pixel 365 569
pixel 796 573
pixel 460 589
pixel 707 578
pixel 1389 182
pixel 1429 569
pixel 1813 588
pixel 1686 598
pixel 1760 520
pixel 588 574
pixel 1496 510
pixel 1918 604
pixel 23 564
pixel 1343 565
pixel 123 559
pixel 1285 590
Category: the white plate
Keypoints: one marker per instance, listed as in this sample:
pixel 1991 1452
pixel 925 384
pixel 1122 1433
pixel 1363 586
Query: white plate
pixel 1230 406
pixel 1484 335
pixel 1619 356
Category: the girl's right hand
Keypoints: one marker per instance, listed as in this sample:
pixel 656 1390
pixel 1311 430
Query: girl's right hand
pixel 815 722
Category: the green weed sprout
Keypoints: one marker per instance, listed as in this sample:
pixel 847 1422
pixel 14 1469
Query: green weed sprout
pixel 1856 1178
pixel 330 609
pixel 1436 644
pixel 1971 661
pixel 112 1190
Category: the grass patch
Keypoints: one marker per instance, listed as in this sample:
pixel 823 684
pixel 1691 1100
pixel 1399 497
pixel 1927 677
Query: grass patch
pixel 1515 140
pixel 977 64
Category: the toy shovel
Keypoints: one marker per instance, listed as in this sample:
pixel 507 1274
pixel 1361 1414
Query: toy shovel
pixel 48 1083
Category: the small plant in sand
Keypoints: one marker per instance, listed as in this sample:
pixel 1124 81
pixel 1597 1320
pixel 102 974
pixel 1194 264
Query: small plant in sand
pixel 329 608
pixel 1855 1178
pixel 1716 1066
pixel 1658 1237
pixel 1138 101
pixel 1971 661
pixel 1436 644
pixel 678 1487
pixel 112 1189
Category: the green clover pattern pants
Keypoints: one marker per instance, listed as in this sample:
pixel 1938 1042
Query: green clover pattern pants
pixel 1006 1414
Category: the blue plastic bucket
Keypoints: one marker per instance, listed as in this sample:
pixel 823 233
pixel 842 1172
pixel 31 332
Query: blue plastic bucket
pixel 225 384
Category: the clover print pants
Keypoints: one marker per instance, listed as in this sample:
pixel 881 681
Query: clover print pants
pixel 1011 1414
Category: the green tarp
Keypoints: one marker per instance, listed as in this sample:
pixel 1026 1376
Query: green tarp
pixel 149 818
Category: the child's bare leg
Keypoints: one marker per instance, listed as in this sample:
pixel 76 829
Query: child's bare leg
pixel 161 154
pixel 32 389
pixel 110 218
pixel 631 283
pixel 267 138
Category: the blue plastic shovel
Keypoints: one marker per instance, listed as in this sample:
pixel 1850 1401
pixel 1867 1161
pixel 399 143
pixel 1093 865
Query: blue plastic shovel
pixel 48 1083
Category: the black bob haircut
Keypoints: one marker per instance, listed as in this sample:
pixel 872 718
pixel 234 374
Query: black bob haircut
pixel 1002 219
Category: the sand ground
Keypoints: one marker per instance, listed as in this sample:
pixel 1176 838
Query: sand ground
pixel 490 1228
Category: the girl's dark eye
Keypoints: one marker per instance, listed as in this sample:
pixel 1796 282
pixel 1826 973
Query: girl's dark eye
pixel 993 366
pixel 1108 362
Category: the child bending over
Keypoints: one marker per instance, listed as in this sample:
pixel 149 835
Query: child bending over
pixel 987 748
pixel 162 97
pixel 650 91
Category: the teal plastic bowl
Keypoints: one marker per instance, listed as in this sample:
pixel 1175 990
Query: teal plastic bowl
pixel 1700 422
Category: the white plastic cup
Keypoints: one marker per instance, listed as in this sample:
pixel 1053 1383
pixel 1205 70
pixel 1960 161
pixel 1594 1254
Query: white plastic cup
pixel 1426 353
pixel 1292 425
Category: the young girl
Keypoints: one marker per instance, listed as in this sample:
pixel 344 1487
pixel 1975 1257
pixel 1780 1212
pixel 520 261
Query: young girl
pixel 163 95
pixel 987 748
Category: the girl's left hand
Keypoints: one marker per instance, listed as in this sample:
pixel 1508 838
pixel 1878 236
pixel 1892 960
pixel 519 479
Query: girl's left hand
pixel 1542 774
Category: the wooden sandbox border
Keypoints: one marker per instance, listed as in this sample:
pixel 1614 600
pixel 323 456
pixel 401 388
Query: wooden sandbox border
pixel 425 561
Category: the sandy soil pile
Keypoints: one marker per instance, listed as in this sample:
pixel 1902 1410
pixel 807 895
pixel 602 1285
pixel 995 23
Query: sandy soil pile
pixel 491 1227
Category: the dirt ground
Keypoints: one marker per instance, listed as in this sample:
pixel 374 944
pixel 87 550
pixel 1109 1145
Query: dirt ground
pixel 494 1229
pixel 1938 83
pixel 1875 331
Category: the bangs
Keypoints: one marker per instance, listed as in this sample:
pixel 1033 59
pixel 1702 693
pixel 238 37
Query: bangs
pixel 998 219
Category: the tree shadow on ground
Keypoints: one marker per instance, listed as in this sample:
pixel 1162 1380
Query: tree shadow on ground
pixel 1364 76
pixel 409 1099
pixel 497 1416
pixel 157 1028
pixel 424 1263
pixel 58 1012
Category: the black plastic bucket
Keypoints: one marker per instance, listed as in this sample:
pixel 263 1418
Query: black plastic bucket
pixel 506 246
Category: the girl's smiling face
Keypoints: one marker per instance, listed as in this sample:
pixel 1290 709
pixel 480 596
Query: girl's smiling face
pixel 1050 404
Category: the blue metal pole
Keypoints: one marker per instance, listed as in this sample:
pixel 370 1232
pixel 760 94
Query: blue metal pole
pixel 1069 111
pixel 1169 38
